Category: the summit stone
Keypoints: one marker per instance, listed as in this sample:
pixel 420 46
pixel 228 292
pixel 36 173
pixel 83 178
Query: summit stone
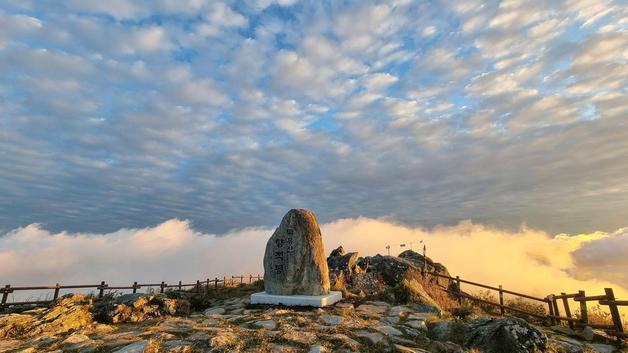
pixel 294 261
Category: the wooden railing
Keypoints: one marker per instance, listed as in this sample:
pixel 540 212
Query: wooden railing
pixel 103 286
pixel 553 315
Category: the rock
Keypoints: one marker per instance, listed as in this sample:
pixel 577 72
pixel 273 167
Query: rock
pixel 410 290
pixel 303 337
pixel 587 333
pixel 403 349
pixel 331 320
pixel 317 349
pixel 267 324
pixel 365 283
pixel 70 312
pixel 603 348
pixel 371 310
pixel 223 340
pixel 371 337
pixel 345 340
pixel 417 324
pixel 137 347
pixel 440 330
pixel 339 262
pixel 388 330
pixel 281 348
pixel 294 261
pixel 211 312
pixel 344 307
pixel 15 325
pixel 430 266
pixel 176 306
pixel 504 335
pixel 566 345
pixel 391 269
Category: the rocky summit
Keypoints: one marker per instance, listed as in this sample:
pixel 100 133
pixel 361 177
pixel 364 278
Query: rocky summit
pixel 387 308
pixel 294 261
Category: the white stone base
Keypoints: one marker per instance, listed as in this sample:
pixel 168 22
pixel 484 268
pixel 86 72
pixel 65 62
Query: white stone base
pixel 296 300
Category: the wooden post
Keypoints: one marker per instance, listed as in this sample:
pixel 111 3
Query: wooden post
pixel 501 300
pixel 551 309
pixel 224 281
pixel 179 285
pixel 612 307
pixel 198 286
pixel 162 286
pixel 584 315
pixel 250 278
pixel 208 285
pixel 216 283
pixel 241 279
pixel 101 291
pixel 567 310
pixel 5 295
pixel 56 295
pixel 134 287
pixel 556 311
pixel 459 290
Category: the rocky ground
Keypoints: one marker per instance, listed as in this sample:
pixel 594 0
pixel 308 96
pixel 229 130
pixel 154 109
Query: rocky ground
pixel 386 310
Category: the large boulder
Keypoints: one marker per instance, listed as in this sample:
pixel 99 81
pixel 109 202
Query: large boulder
pixel 390 268
pixel 294 261
pixel 419 261
pixel 507 335
pixel 341 262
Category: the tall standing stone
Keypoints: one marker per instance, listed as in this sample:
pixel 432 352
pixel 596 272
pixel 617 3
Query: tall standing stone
pixel 294 262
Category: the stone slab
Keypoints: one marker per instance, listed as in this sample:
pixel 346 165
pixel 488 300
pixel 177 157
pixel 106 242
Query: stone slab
pixel 297 300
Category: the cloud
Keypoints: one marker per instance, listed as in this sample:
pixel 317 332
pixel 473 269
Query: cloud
pixel 129 113
pixel 523 260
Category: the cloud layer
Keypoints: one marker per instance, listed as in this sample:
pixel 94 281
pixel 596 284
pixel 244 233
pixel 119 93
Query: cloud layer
pixel 525 260
pixel 129 113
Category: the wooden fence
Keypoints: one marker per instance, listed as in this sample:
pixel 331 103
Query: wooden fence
pixel 103 286
pixel 553 315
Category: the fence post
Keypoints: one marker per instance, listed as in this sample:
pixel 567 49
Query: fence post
pixel 56 295
pixel 5 294
pixel 501 300
pixel 584 315
pixel 134 287
pixel 250 278
pixel 179 285
pixel 567 310
pixel 198 286
pixel 459 290
pixel 208 285
pixel 101 291
pixel 162 286
pixel 551 309
pixel 241 279
pixel 556 311
pixel 612 307
pixel 216 283
pixel 224 281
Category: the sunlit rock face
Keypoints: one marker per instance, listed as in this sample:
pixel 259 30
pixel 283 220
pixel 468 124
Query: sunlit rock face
pixel 294 262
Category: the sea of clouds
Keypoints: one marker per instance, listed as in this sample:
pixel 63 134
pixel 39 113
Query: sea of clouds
pixel 526 260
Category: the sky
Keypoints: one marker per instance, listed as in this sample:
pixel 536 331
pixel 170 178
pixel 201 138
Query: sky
pixel 126 114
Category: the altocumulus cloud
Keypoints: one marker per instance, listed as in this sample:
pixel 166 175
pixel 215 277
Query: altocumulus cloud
pixel 129 113
pixel 526 260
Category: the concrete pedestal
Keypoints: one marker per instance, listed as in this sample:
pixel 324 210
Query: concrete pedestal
pixel 296 300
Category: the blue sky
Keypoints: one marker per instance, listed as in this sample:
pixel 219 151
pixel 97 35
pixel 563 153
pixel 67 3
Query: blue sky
pixel 128 113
